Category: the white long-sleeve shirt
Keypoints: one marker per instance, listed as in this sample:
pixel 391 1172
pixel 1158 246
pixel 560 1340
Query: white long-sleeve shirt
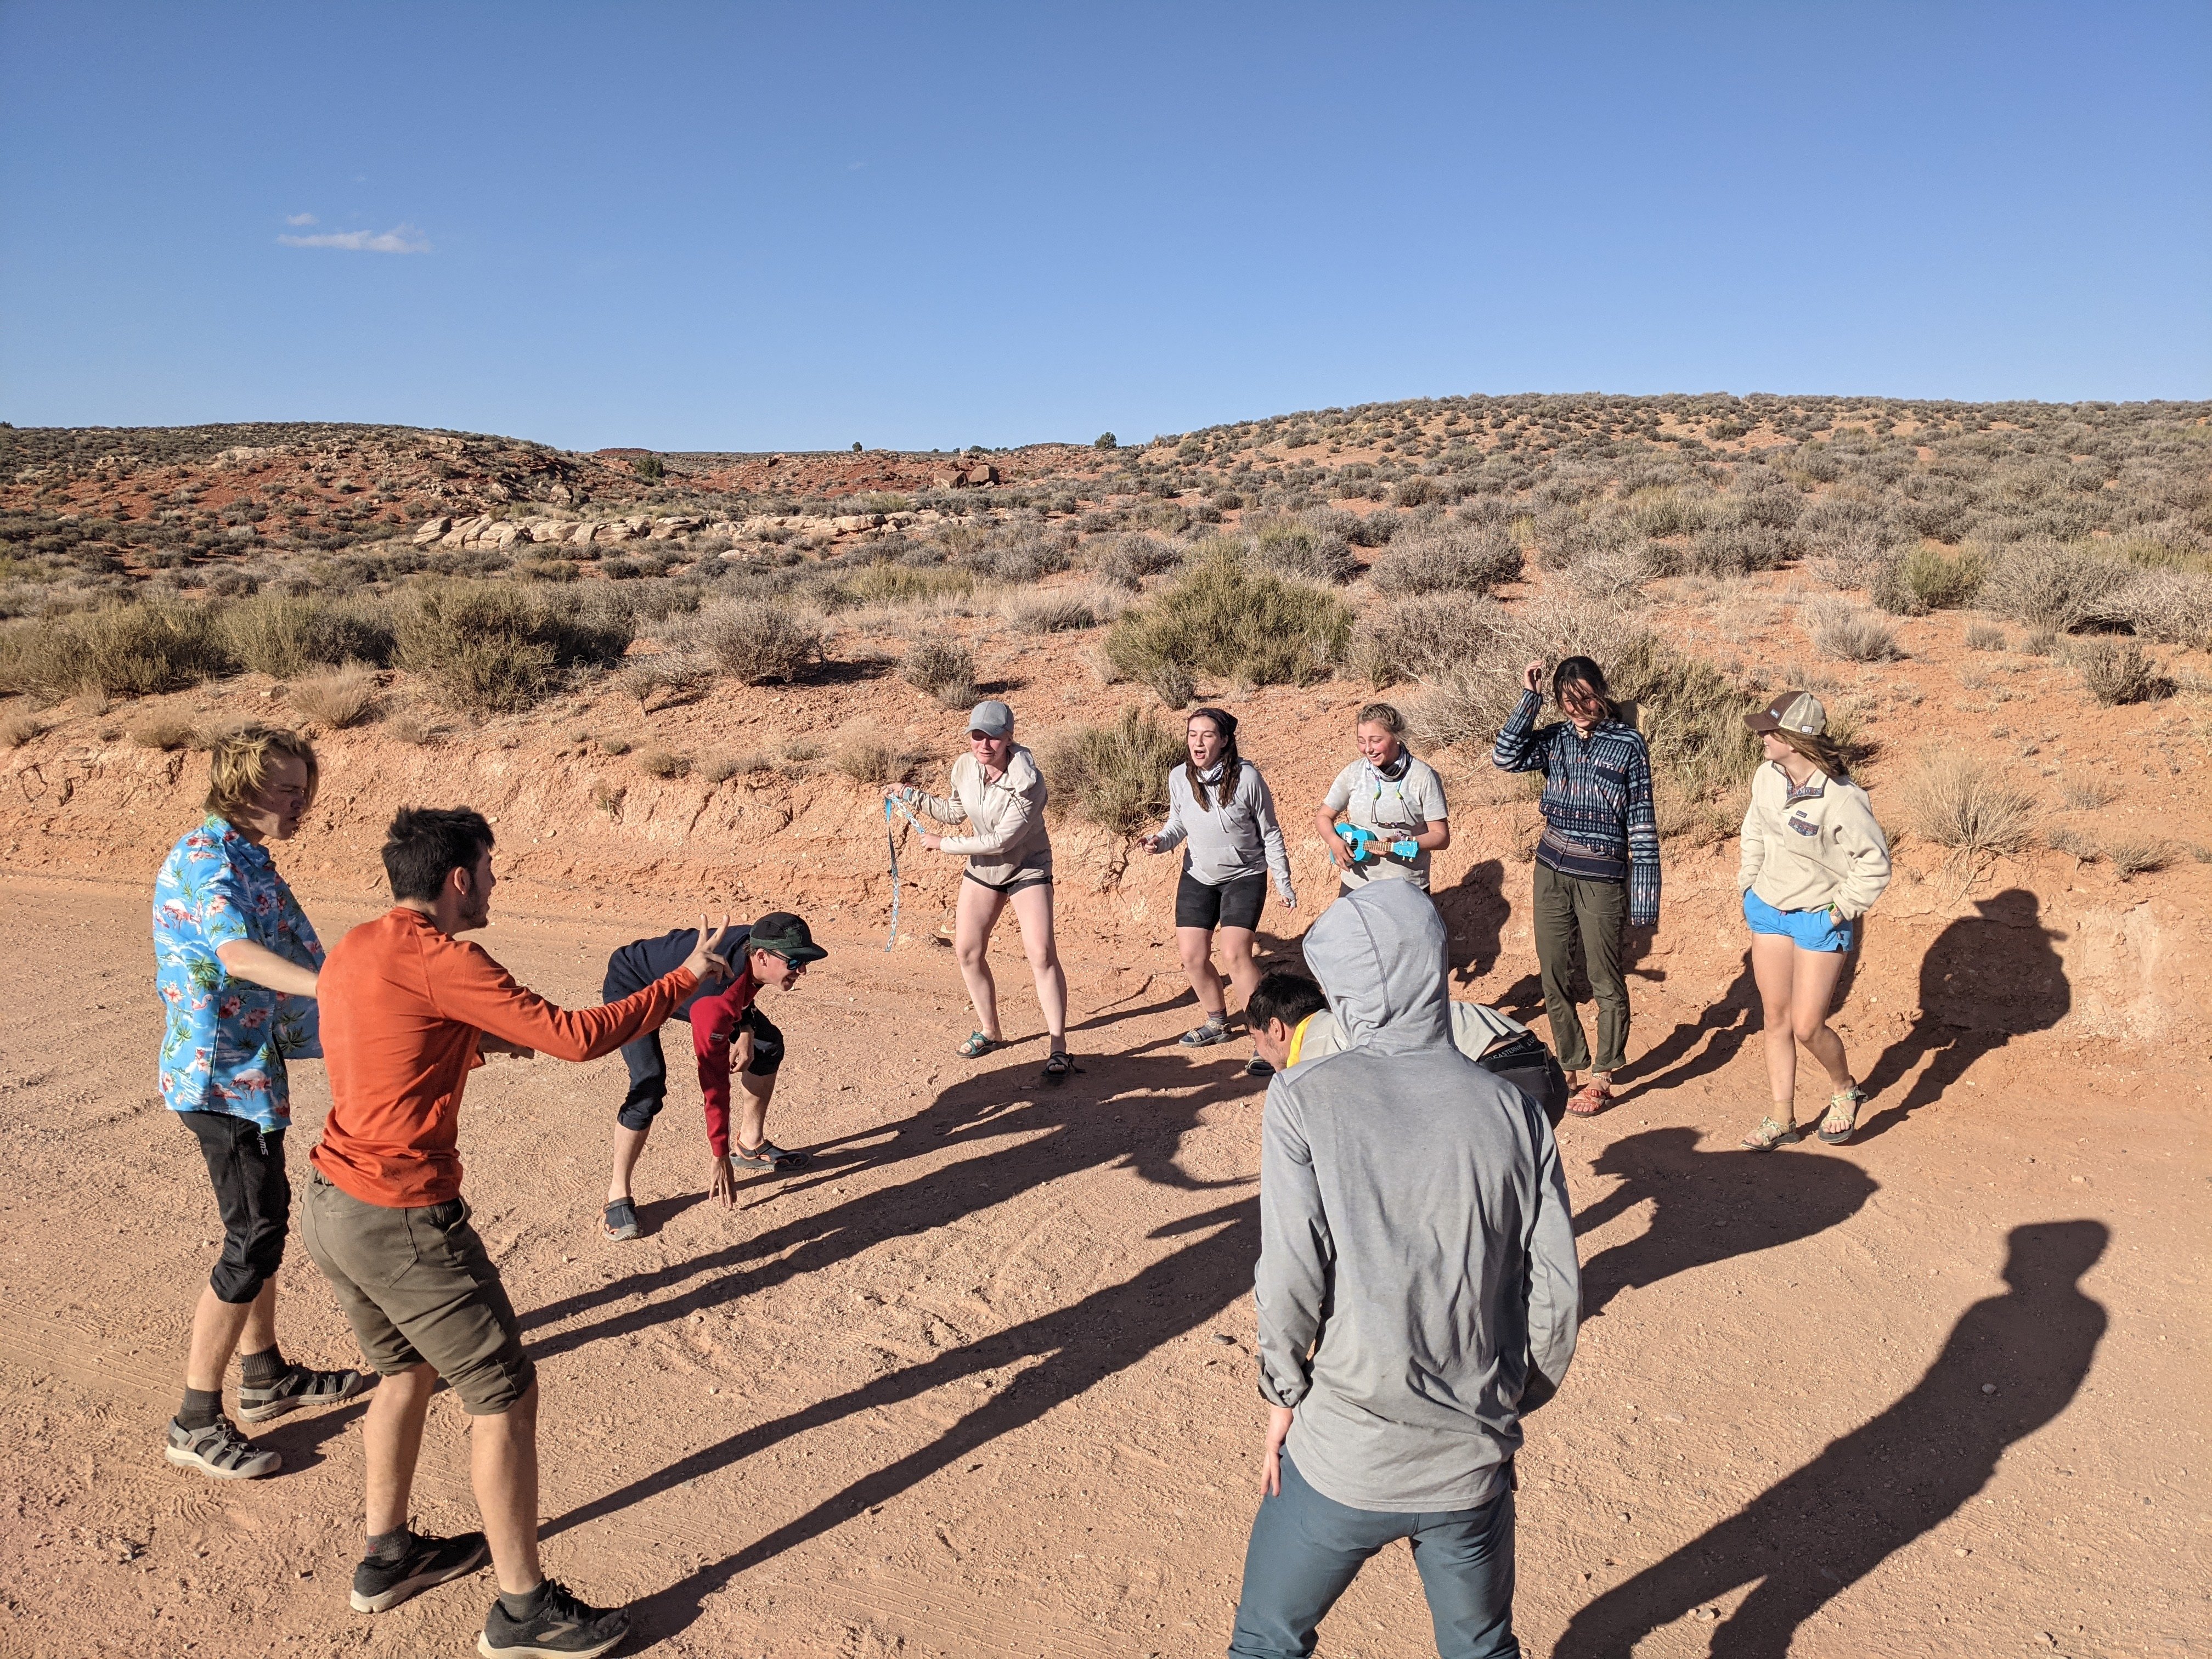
pixel 1228 841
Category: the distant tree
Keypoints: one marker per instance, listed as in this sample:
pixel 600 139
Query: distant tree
pixel 1107 441
pixel 648 467
pixel 856 449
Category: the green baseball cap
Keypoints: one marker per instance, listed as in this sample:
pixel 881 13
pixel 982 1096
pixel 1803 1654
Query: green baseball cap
pixel 781 933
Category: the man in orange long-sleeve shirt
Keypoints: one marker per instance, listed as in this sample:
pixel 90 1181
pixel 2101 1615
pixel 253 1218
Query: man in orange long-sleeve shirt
pixel 408 1010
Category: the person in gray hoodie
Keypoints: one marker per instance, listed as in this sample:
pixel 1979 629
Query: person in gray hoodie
pixel 1417 1294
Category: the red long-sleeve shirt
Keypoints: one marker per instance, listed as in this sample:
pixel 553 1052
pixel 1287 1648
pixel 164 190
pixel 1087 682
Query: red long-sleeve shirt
pixel 713 1017
pixel 403 1007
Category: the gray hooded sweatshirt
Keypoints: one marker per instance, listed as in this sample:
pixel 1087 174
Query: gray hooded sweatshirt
pixel 1418 1288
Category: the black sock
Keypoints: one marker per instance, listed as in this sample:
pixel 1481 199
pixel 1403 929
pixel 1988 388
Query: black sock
pixel 202 1406
pixel 258 1371
pixel 388 1547
pixel 528 1605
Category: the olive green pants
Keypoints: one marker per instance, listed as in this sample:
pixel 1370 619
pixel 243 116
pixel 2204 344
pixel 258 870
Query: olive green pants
pixel 1567 909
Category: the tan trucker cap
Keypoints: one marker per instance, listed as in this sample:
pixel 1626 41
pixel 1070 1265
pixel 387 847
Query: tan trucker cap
pixel 1793 711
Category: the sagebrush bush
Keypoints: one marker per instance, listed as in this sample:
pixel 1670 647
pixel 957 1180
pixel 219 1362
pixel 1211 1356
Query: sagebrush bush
pixel 1735 549
pixel 2047 584
pixel 1471 699
pixel 1295 548
pixel 1024 559
pixel 2115 672
pixel 869 757
pixel 945 669
pixel 1448 558
pixel 1225 618
pixel 2173 607
pixel 285 635
pixel 1129 559
pixel 1061 612
pixel 1956 799
pixel 899 584
pixel 1922 578
pixel 1423 636
pixel 490 647
pixel 1115 776
pixel 663 763
pixel 342 697
pixel 1840 629
pixel 127 650
pixel 754 640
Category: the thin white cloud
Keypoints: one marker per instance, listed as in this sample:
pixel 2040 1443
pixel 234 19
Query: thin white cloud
pixel 301 219
pixel 400 238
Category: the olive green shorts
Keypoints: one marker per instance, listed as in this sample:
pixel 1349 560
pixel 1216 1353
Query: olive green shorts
pixel 419 1288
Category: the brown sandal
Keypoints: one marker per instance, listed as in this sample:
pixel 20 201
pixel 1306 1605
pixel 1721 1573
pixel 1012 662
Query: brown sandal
pixel 1592 1097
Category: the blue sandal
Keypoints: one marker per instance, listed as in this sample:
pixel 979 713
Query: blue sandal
pixel 977 1046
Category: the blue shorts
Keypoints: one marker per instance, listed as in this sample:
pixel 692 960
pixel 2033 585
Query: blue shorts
pixel 1812 930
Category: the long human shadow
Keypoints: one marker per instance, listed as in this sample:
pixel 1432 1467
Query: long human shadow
pixel 1039 1134
pixel 1709 1206
pixel 1986 979
pixel 1868 1494
pixel 1076 1348
pixel 1475 909
pixel 1699 1047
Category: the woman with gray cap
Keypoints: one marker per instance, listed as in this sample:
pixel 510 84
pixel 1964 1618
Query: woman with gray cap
pixel 998 789
pixel 1813 862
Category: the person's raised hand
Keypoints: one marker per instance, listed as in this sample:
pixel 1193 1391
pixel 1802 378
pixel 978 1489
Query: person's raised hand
pixel 723 1188
pixel 1532 677
pixel 706 960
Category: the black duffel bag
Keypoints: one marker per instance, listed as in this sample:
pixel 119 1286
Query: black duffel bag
pixel 1530 1066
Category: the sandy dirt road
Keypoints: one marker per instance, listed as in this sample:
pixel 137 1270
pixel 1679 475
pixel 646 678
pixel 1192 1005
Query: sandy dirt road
pixel 980 1383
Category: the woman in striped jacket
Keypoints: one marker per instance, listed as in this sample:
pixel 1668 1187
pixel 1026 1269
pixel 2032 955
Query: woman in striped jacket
pixel 1597 863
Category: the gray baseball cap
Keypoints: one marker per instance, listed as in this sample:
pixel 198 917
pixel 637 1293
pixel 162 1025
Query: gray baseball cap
pixel 991 718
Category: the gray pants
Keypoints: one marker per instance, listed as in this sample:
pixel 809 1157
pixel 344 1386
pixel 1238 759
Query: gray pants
pixel 1306 1549
pixel 1568 908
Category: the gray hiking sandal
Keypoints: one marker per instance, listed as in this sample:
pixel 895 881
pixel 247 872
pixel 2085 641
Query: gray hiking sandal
pixel 379 1586
pixel 621 1222
pixel 219 1451
pixel 1216 1030
pixel 299 1387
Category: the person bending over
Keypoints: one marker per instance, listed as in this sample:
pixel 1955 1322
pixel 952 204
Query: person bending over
pixel 235 964
pixel 1417 1294
pixel 729 1035
pixel 409 1010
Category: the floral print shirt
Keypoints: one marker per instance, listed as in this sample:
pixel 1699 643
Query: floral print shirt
pixel 227 1038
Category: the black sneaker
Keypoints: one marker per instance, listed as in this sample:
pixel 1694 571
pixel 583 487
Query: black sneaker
pixel 379 1586
pixel 299 1387
pixel 219 1451
pixel 1256 1066
pixel 563 1628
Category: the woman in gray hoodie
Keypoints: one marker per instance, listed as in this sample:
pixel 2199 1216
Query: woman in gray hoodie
pixel 1219 804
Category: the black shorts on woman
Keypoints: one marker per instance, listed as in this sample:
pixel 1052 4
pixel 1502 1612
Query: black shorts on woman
pixel 1236 903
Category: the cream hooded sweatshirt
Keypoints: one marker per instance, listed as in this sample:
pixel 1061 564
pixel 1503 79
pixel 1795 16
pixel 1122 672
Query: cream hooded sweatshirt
pixel 1806 849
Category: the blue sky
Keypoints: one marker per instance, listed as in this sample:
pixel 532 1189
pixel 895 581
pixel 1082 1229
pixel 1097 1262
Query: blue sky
pixel 730 227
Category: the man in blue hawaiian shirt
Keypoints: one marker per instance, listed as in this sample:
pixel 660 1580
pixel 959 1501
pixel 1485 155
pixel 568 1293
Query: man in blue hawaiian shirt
pixel 236 962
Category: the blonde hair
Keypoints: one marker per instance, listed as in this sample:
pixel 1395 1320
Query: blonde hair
pixel 239 765
pixel 1382 714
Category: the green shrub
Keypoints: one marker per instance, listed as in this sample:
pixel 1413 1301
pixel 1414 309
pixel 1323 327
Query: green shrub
pixel 118 650
pixel 901 584
pixel 2047 584
pixel 488 646
pixel 1225 618
pixel 756 640
pixel 1423 635
pixel 945 669
pixel 1923 578
pixel 1115 776
pixel 285 635
pixel 1300 550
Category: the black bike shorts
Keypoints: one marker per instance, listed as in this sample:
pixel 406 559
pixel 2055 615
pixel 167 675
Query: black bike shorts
pixel 1234 903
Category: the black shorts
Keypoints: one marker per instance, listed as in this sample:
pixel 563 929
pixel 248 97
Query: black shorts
pixel 1235 903
pixel 252 1194
pixel 649 1067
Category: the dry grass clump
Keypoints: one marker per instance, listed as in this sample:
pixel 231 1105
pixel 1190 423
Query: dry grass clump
pixel 1958 800
pixel 2131 858
pixel 2088 794
pixel 1448 558
pixel 490 647
pixel 285 635
pixel 614 746
pixel 2115 672
pixel 903 584
pixel 1225 618
pixel 663 763
pixel 1423 636
pixel 1474 696
pixel 342 697
pixel 666 679
pixel 754 640
pixel 1115 776
pixel 1985 636
pixel 1923 578
pixel 415 728
pixel 119 651
pixel 945 669
pixel 2046 584
pixel 1068 610
pixel 1840 629
pixel 1296 549
pixel 1128 560
pixel 722 768
pixel 164 734
pixel 19 729
pixel 869 757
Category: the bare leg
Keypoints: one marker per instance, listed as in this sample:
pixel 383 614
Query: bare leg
pixel 629 1146
pixel 1195 947
pixel 1033 909
pixel 220 1329
pixel 1813 988
pixel 1774 968
pixel 1236 944
pixel 503 1467
pixel 752 1103
pixel 391 1440
pixel 974 916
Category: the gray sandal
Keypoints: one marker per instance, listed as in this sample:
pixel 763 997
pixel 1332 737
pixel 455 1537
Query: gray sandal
pixel 1770 1134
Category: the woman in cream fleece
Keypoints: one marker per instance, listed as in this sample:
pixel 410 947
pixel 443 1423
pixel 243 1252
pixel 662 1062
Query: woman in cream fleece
pixel 1814 861
pixel 998 790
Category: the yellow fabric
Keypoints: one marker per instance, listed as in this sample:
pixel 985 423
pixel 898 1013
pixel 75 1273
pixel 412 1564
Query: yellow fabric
pixel 1298 1042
